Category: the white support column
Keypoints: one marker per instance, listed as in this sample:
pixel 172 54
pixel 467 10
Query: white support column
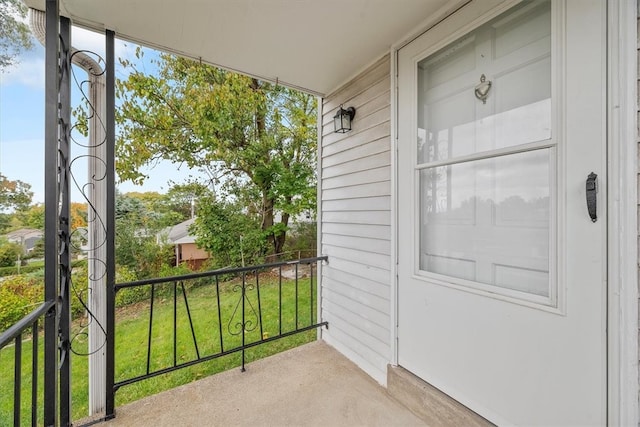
pixel 97 255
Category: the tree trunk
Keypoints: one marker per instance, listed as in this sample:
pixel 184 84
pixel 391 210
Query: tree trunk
pixel 267 223
pixel 278 240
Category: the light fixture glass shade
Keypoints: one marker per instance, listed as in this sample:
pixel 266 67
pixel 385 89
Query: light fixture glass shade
pixel 342 119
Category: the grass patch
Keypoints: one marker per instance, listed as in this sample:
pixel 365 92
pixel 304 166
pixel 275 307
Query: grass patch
pixel 132 326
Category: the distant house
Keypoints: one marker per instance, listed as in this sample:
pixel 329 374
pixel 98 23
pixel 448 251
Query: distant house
pixel 184 242
pixel 25 237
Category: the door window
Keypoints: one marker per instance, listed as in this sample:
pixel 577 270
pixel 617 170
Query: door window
pixel 486 158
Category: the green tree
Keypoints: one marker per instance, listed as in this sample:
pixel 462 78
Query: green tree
pixel 185 198
pixel 14 194
pixel 137 247
pixel 38 249
pixel 14 34
pixel 33 216
pixel 9 253
pixel 230 234
pixel 255 140
pixel 5 222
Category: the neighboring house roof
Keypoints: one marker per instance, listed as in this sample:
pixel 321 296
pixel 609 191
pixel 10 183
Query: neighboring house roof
pixel 24 233
pixel 178 234
pixel 184 240
pixel 26 237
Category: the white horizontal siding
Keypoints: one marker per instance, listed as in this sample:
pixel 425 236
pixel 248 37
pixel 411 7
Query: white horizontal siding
pixel 376 246
pixel 369 162
pixel 344 153
pixel 369 203
pixel 357 282
pixel 369 300
pixel 378 71
pixel 371 231
pixel 362 177
pixel 358 217
pixel 373 274
pixel 356 222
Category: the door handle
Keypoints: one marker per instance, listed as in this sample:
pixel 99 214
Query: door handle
pixel 592 190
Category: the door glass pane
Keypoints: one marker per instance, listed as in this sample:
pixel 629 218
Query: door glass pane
pixel 513 53
pixel 489 221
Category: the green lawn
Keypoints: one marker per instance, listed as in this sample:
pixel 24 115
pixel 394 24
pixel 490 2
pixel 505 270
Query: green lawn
pixel 132 325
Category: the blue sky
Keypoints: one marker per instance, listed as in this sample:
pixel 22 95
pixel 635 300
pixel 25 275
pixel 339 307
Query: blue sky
pixel 22 121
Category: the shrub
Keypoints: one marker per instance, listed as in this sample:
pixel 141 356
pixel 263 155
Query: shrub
pixel 9 253
pixel 13 270
pixel 302 241
pixel 19 295
pixel 129 295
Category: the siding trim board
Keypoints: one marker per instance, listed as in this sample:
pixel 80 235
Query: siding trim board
pixel 623 205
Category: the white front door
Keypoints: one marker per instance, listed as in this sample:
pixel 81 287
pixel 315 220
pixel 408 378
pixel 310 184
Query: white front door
pixel 501 273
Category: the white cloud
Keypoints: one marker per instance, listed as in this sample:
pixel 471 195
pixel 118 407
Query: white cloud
pixel 28 72
pixel 92 41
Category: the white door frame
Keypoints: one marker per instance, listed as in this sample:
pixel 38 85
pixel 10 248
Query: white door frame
pixel 622 205
pixel 622 324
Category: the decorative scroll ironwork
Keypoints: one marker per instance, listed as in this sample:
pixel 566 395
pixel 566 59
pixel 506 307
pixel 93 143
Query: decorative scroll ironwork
pixel 64 220
pixel 243 320
pixel 89 123
pixel 243 324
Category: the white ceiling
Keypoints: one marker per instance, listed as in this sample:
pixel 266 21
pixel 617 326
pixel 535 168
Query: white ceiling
pixel 315 45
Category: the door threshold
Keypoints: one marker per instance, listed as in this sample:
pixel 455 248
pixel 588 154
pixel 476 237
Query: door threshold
pixel 428 403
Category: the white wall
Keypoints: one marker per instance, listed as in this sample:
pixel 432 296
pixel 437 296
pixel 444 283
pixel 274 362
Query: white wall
pixel 356 221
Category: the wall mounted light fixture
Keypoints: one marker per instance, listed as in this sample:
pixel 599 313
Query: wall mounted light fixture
pixel 342 119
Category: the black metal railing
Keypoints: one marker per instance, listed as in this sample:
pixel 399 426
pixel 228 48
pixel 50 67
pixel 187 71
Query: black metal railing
pixel 238 309
pixel 30 324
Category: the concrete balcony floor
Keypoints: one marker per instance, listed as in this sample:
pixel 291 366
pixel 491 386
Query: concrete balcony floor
pixel 311 385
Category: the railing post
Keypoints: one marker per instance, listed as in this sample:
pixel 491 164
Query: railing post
pixel 244 325
pixel 17 380
pixel 51 213
pixel 110 221
pixel 34 373
pixel 64 222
